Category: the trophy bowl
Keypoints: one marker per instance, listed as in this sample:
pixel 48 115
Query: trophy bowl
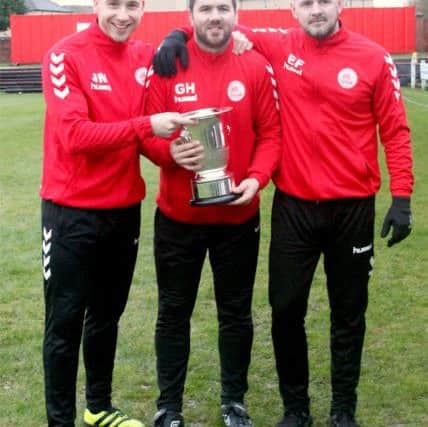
pixel 211 184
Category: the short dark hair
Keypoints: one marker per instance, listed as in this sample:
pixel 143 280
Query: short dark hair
pixel 192 4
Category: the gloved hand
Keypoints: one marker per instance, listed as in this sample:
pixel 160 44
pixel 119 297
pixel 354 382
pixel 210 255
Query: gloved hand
pixel 399 217
pixel 173 46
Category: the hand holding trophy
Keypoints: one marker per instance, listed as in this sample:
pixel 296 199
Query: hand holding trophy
pixel 211 184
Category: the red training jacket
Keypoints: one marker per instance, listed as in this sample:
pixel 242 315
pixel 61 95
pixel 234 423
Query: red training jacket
pixel 94 89
pixel 215 80
pixel 335 96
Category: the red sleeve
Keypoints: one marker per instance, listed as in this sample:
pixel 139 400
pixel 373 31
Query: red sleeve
pixel 186 29
pixel 156 148
pixel 393 129
pixel 267 126
pixel 265 41
pixel 68 110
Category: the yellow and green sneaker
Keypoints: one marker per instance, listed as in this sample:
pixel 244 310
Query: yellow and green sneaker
pixel 112 418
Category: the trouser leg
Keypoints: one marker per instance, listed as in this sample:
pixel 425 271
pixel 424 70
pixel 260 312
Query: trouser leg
pixel 111 276
pixel 348 264
pixel 233 251
pixel 294 254
pixel 179 257
pixel 68 248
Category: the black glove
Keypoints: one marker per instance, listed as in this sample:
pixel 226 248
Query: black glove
pixel 173 46
pixel 399 217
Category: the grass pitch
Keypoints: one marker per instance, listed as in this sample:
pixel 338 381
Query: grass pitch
pixel 393 389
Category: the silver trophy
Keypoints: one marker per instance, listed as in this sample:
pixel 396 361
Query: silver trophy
pixel 212 184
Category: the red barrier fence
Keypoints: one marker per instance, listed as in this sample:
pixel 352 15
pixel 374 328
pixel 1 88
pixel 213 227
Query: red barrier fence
pixel 32 35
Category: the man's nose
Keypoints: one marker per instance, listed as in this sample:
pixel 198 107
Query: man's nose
pixel 316 8
pixel 215 15
pixel 122 13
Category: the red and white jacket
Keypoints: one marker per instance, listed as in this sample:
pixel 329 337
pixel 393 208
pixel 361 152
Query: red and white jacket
pixel 336 95
pixel 94 89
pixel 215 80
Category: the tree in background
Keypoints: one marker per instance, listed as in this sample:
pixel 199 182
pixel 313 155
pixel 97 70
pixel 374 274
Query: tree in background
pixel 8 7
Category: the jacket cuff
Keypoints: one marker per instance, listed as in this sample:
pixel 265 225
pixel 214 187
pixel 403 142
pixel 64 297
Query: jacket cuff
pixel 261 178
pixel 143 127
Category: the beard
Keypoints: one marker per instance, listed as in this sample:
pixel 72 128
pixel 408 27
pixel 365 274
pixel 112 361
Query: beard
pixel 322 32
pixel 213 43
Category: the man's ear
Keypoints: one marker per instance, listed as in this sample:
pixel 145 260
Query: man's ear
pixel 340 5
pixel 292 7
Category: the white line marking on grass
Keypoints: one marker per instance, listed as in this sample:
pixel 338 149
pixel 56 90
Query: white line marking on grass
pixel 415 102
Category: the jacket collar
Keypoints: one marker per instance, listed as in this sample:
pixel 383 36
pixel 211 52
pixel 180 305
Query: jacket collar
pixel 211 57
pixel 101 39
pixel 323 44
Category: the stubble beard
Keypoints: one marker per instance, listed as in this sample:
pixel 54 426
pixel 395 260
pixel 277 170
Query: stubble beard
pixel 218 45
pixel 322 33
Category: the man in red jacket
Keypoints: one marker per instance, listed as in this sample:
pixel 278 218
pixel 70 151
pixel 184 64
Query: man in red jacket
pixel 94 86
pixel 336 90
pixel 229 233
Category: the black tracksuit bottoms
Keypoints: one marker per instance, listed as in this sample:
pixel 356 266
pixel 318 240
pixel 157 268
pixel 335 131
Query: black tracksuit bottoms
pixel 180 250
pixel 341 230
pixel 88 262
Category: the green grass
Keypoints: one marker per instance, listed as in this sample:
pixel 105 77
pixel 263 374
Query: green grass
pixel 393 389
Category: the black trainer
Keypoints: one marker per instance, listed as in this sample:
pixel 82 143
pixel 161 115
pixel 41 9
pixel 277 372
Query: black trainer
pixel 166 418
pixel 295 419
pixel 235 415
pixel 343 419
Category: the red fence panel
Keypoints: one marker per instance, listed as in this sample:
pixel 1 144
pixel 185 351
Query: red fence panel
pixel 272 18
pixel 394 28
pixel 155 25
pixel 32 35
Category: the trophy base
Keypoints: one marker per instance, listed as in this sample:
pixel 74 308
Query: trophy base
pixel 215 200
pixel 212 192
